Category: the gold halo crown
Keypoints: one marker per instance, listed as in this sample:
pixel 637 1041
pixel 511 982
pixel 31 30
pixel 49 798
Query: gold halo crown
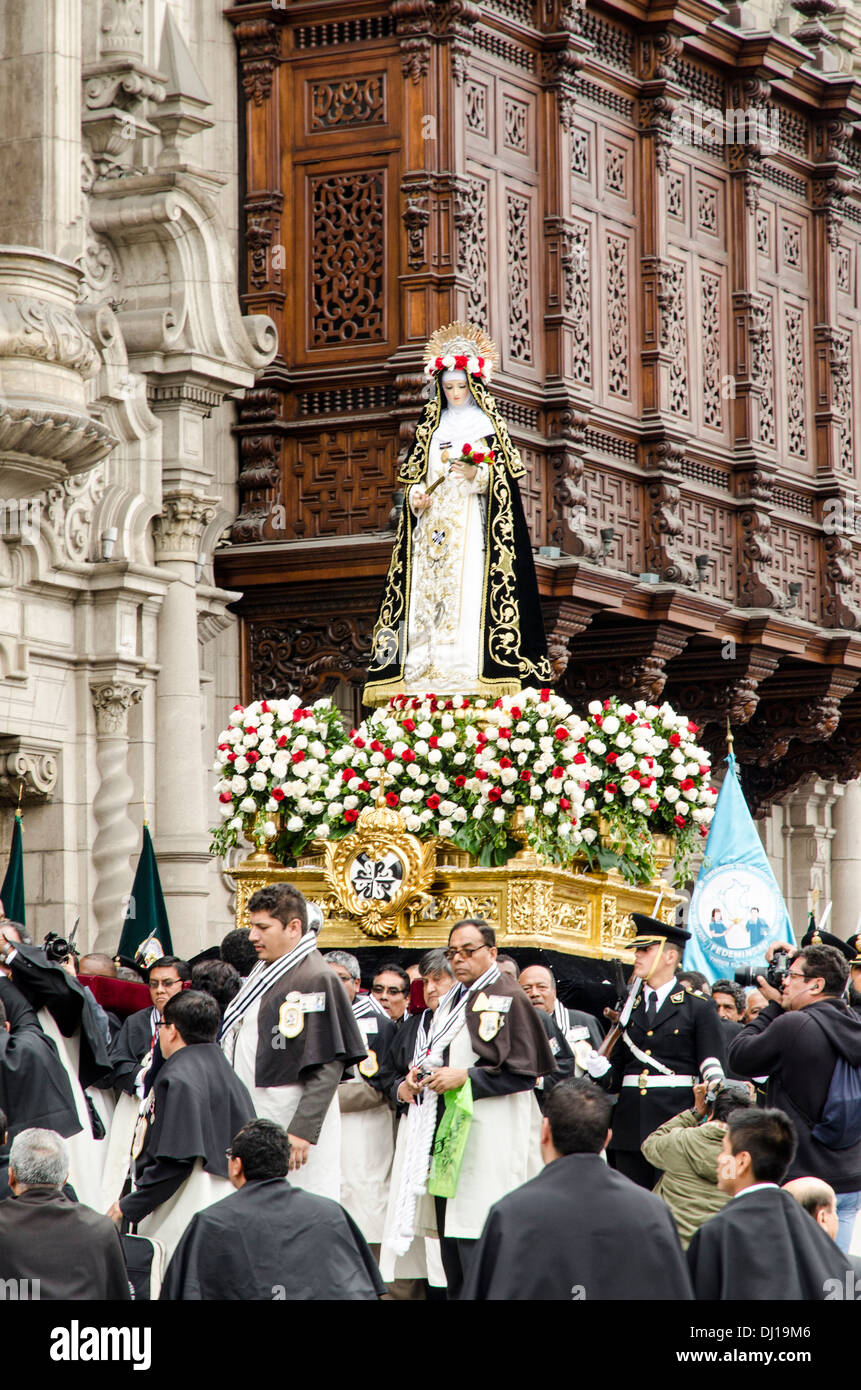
pixel 464 346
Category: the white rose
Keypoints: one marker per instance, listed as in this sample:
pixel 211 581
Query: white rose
pixel 447 721
pixel 690 794
pixel 434 756
pixel 322 831
pixel 671 794
pixel 589 835
pixel 529 813
pixel 248 805
pixel 629 786
pixel 459 814
pixel 459 759
pixel 295 823
pixel 498 815
pixel 610 725
pixel 478 812
pixel 448 740
pixel 541 726
pixel 595 707
pixel 241 765
pixel 413 822
pixel 425 729
pixel 508 798
pixel 238 785
pixel 596 746
pixel 550 808
pixel 445 827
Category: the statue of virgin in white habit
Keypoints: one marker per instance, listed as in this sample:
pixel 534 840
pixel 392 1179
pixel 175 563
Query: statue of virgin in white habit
pixel 460 613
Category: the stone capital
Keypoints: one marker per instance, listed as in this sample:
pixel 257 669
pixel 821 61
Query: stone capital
pixel 178 530
pixel 112 701
pixel 28 768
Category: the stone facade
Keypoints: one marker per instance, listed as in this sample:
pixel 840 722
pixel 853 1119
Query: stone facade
pixel 122 348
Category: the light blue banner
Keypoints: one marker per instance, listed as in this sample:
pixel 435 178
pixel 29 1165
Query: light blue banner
pixel 736 907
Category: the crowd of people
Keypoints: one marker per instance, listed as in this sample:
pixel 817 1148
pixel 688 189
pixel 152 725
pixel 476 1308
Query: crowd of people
pixel 256 1125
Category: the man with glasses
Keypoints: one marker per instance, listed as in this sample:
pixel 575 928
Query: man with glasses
pixel 486 1036
pixel 391 990
pixel 798 1040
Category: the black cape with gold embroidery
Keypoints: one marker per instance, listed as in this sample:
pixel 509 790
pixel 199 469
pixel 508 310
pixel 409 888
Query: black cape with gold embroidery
pixel 513 646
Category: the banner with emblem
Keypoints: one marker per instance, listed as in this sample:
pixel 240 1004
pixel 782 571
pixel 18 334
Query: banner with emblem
pixel 737 907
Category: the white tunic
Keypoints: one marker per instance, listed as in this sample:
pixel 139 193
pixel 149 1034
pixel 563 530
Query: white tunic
pixel 503 1150
pixel 321 1173
pixel 367 1150
pixel 447 579
pixel 168 1222
pixel 86 1154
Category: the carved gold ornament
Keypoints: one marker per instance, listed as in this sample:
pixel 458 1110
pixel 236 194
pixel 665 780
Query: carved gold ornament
pixel 380 873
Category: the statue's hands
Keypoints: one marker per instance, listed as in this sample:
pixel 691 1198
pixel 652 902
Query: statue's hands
pixel 419 501
pixel 467 471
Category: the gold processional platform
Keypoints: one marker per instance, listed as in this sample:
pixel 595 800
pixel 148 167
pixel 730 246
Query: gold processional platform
pixel 382 886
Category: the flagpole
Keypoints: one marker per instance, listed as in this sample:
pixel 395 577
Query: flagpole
pixel 730 741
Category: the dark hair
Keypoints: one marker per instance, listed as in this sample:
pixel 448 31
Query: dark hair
pixel 237 950
pixel 182 967
pixel 731 1097
pixel 827 963
pixel 579 1116
pixel 280 900
pixel 195 1014
pixel 697 980
pixel 768 1136
pixel 732 989
pixel 434 963
pixel 392 968
pixel 264 1150
pixel 217 978
pixel 488 935
pixel 511 961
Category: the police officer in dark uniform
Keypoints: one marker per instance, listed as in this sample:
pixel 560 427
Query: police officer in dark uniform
pixel 671 1040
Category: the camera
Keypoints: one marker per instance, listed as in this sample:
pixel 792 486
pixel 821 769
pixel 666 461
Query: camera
pixel 424 1070
pixel 56 948
pixel 775 973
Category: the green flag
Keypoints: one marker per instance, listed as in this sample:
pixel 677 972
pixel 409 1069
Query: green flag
pixel 146 914
pixel 12 891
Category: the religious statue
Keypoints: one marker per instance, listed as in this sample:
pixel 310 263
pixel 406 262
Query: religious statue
pixel 460 612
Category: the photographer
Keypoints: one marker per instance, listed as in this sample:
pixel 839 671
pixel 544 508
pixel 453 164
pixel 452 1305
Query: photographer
pixel 797 1039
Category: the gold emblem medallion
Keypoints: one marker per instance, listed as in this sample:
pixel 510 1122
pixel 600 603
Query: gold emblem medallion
pixel 291 1019
pixel 489 1024
pixel 370 1066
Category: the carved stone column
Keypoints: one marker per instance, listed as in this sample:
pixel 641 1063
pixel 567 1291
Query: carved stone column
pixel 117 837
pixel 181 825
pixel 810 830
pixel 846 862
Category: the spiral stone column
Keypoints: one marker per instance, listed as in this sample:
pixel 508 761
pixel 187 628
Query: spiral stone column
pixel 117 838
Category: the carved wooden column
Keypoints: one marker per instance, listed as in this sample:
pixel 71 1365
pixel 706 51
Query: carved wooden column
pixel 835 371
pixel 116 838
pixel 259 42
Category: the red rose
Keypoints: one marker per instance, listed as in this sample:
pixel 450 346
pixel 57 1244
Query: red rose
pixel 364 786
pixel 460 362
pixel 497 704
pixel 433 741
pixel 408 756
pixel 236 707
pixel 494 794
pixel 478 456
pixel 599 720
pixel 612 757
pixel 388 754
pixel 526 775
pixel 376 746
pixel 264 708
pixel 564 803
pixel 561 733
pixel 686 785
pixel 225 797
pixel 611 787
pixel 466 704
pixel 392 798
pixel 545 694
pixel 298 716
pixel 481 774
pixel 516 713
pixel 579 758
pixel 460 781
pixel 703 832
pixel 712 789
pixel 467 449
pixel 282 742
pixel 675 740
pixel 606 704
pixel 679 821
pixel 358 743
pixel 231 757
pixel 414 704
pixel 252 755
pixel 653 805
pixel 278 793
pixel 631 718
pixel 350 816
pixel 251 729
pixel 704 769
pixel 222 746
pixel 348 773
pixel 692 727
pixel 299 756
pixel 449 704
pixel 505 762
pixel 505 733
pixel 409 725
pixel 558 772
pixel 432 802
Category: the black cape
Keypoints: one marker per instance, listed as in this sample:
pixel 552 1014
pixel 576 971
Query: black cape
pixel 328 1034
pixel 579 1230
pixel 270 1240
pixel 128 1049
pixel 199 1105
pixel 34 1088
pixel 74 1252
pixel 513 644
pixel 47 985
pixel 763 1246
